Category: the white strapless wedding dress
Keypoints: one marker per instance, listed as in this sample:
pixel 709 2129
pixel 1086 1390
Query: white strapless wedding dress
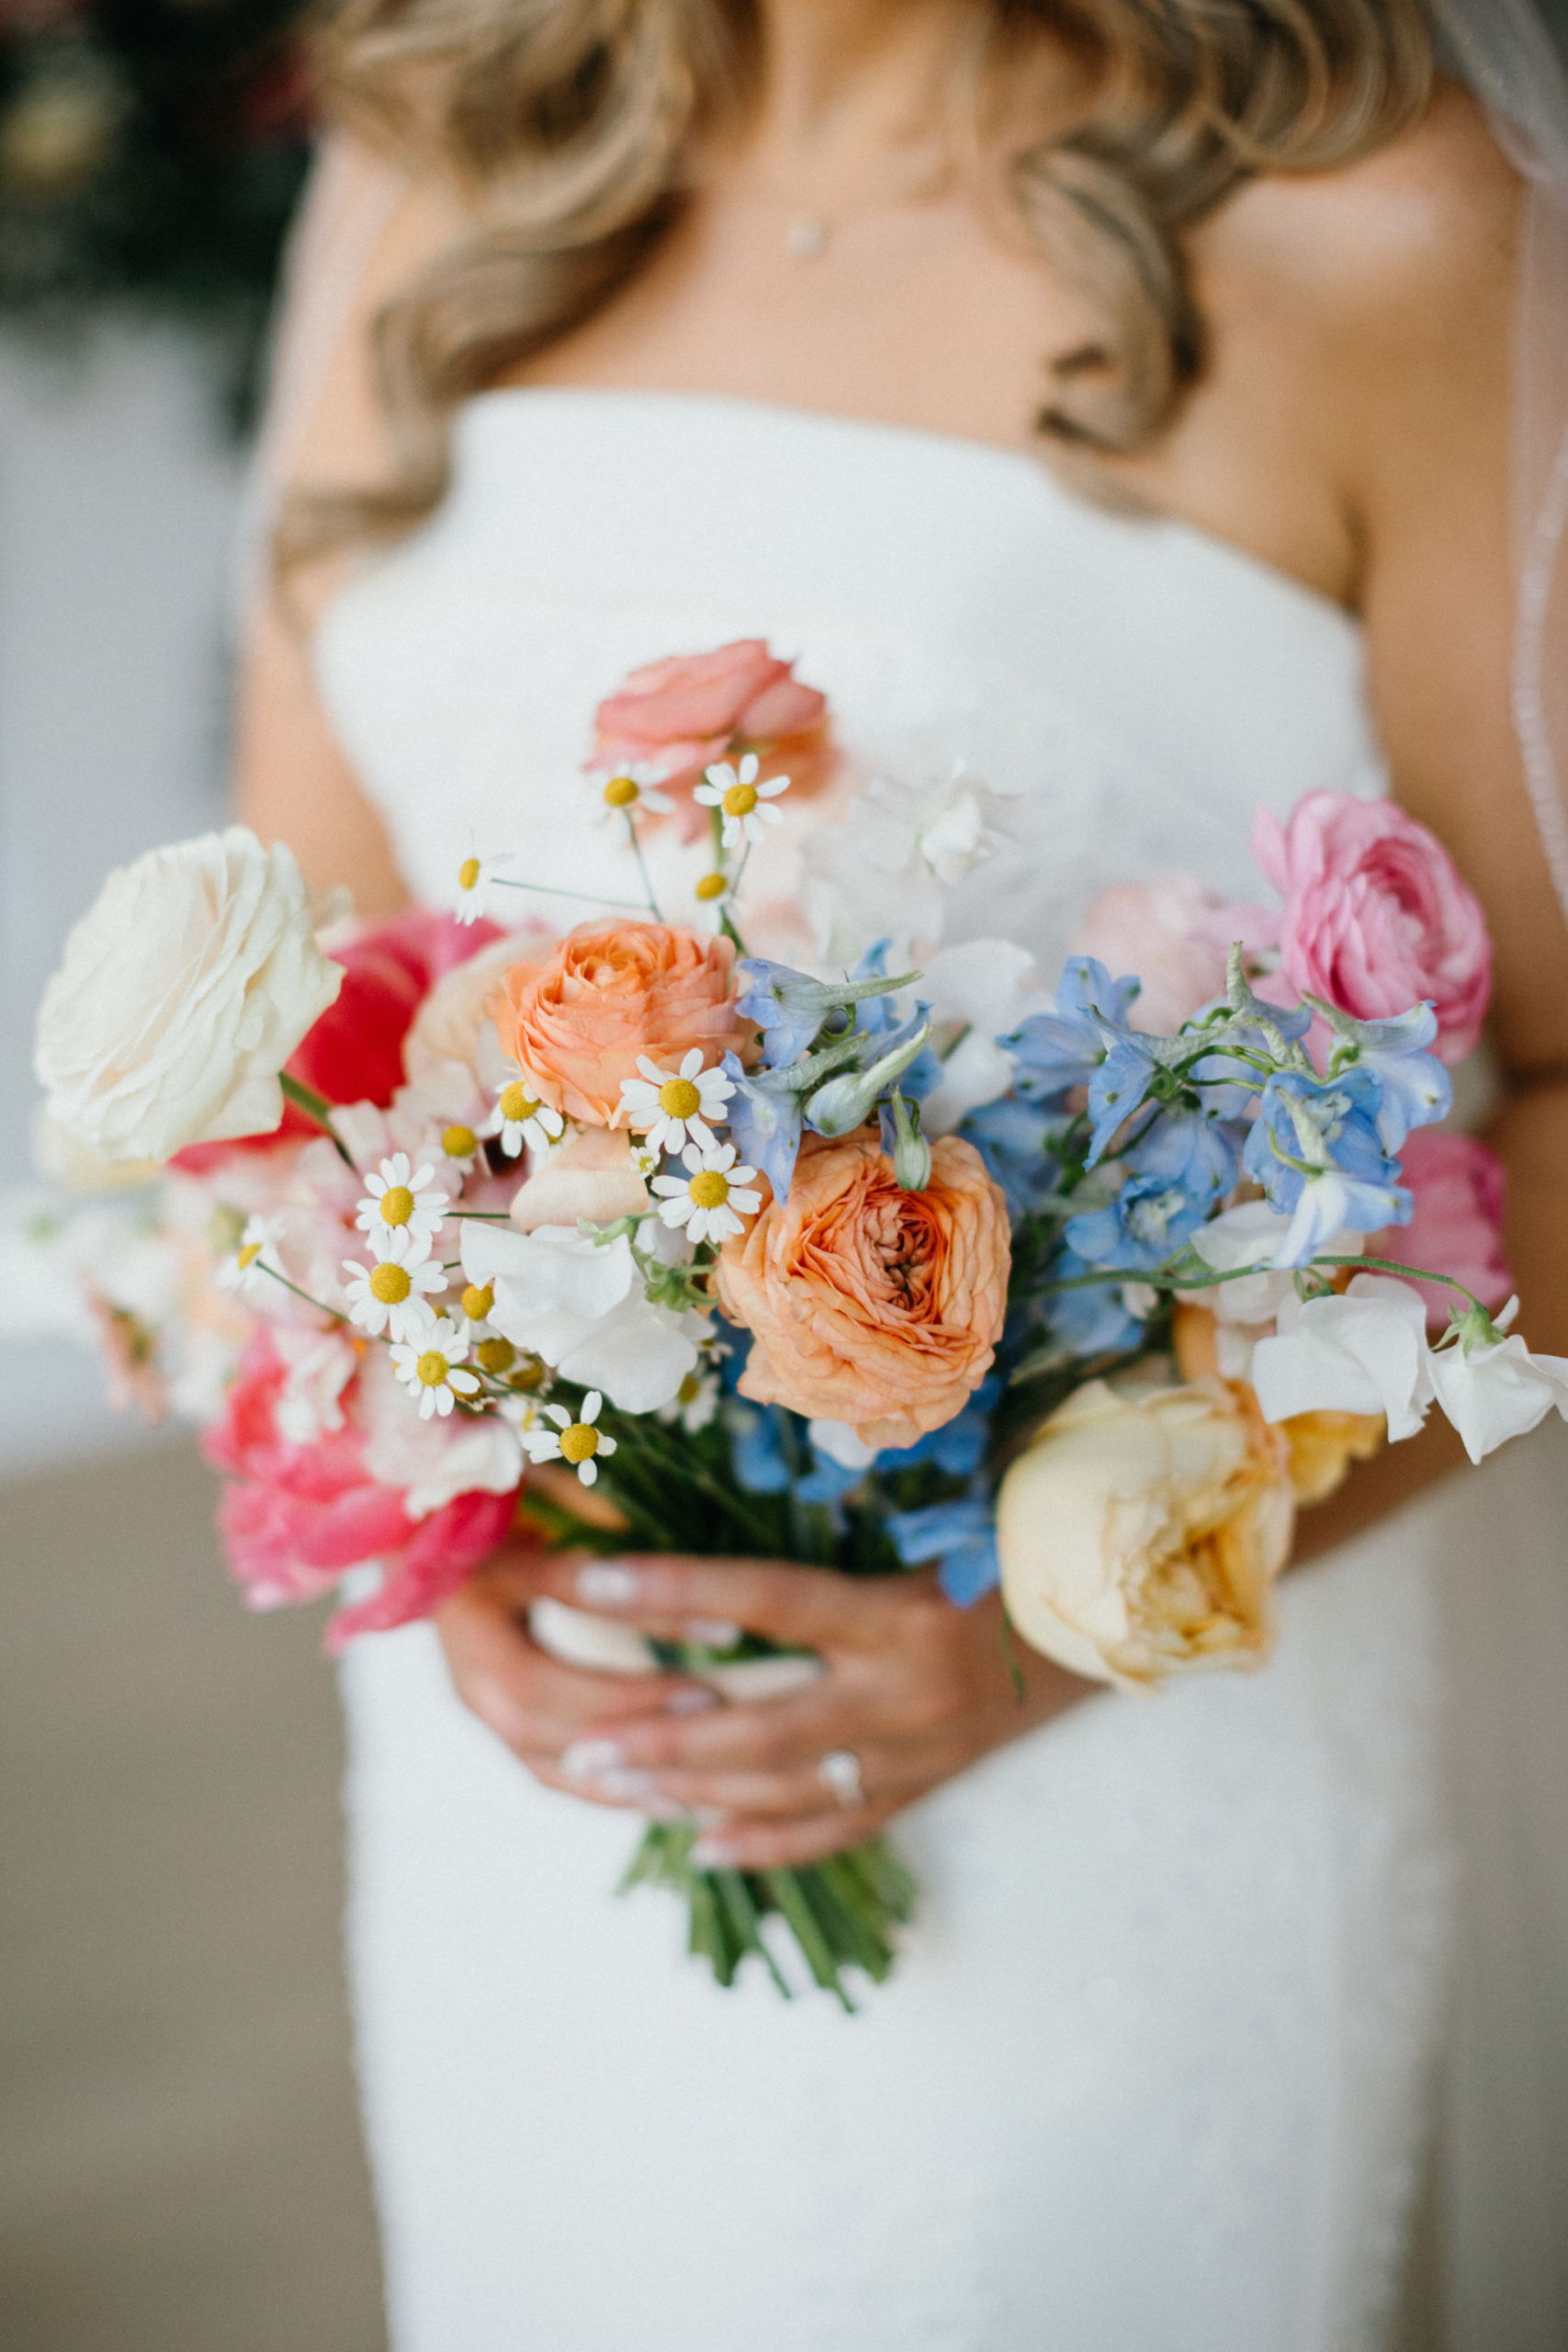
pixel 1151 2076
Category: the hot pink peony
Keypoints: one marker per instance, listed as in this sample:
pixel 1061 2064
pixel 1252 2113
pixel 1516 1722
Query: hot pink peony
pixel 674 717
pixel 1376 917
pixel 298 1517
pixel 1457 1225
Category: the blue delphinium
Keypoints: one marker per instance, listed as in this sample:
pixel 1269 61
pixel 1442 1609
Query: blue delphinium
pixel 1063 1048
pixel 1414 1088
pixel 960 1536
pixel 1092 1321
pixel 763 1118
pixel 1315 1149
pixel 1014 1139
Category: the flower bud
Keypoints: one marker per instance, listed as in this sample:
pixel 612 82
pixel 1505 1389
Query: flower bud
pixel 847 1102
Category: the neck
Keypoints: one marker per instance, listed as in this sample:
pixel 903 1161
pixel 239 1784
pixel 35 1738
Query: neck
pixel 845 77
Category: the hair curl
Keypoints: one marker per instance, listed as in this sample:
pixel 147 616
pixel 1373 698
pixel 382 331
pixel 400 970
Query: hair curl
pixel 570 122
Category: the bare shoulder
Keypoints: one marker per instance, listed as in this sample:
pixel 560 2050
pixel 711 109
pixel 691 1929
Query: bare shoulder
pixel 1407 242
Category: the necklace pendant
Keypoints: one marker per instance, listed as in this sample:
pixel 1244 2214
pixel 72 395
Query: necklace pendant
pixel 806 238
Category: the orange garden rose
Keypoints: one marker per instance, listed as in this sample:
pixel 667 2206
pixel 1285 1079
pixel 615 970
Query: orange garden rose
pixel 609 993
pixel 870 1304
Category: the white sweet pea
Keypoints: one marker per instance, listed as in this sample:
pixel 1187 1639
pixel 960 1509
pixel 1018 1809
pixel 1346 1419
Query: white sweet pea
pixel 580 1307
pixel 1364 1352
pixel 318 1366
pixel 184 991
pixel 898 852
pixel 1251 1235
pixel 432 1461
pixel 1494 1390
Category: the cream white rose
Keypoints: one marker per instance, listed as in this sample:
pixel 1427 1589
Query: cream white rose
pixel 1141 1533
pixel 183 991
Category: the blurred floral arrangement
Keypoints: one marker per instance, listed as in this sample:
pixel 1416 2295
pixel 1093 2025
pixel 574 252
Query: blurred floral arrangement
pixel 150 150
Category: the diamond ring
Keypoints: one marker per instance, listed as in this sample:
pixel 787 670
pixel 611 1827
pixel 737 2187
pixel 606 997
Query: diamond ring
pixel 840 1770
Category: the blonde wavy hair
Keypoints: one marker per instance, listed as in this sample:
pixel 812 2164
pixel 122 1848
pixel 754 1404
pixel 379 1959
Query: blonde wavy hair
pixel 571 123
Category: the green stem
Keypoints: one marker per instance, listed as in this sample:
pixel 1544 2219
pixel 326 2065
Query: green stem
pixel 589 898
pixel 316 1108
pixel 641 867
pixel 305 1294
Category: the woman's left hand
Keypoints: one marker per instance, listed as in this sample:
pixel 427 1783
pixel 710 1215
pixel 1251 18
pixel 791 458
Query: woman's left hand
pixel 913 1689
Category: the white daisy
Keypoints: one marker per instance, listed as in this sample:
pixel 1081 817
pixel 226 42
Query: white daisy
pixel 570 1441
pixel 519 1118
pixel 393 1295
pixel 625 789
pixel 429 1366
pixel 402 1199
pixel 706 1200
pixel 743 801
pixel 674 1106
pixel 475 876
pixel 256 1255
pixel 694 1403
pixel 459 1146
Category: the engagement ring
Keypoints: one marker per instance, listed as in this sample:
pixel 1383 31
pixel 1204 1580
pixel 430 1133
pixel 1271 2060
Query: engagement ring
pixel 839 1771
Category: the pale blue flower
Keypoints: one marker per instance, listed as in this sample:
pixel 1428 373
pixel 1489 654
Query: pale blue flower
pixel 960 1536
pixel 1064 1047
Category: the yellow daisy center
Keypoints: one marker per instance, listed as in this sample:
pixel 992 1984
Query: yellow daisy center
pixel 469 873
pixel 620 792
pixel 496 1355
pixel 679 1098
pixel 250 1254
pixel 710 1190
pixel 432 1369
pixel 390 1285
pixel 477 1303
pixel 712 885
pixel 397 1204
pixel 458 1142
pixel 740 800
pixel 690 1388
pixel 516 1103
pixel 579 1443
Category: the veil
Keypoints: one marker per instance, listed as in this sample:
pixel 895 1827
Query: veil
pixel 1501 49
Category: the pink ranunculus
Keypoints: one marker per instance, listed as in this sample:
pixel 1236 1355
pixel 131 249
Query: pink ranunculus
pixel 1457 1227
pixel 1165 932
pixel 676 716
pixel 298 1517
pixel 1376 917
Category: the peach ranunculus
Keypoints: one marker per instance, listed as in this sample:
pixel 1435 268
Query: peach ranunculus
pixel 869 1304
pixel 611 992
pixel 676 716
pixel 1142 1531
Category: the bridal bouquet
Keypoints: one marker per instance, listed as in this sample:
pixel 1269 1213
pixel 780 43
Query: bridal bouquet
pixel 1081 1294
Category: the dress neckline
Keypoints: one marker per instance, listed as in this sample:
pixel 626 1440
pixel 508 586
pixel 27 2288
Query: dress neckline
pixel 980 455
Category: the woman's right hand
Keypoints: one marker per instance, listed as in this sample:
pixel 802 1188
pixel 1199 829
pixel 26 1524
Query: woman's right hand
pixel 537 1705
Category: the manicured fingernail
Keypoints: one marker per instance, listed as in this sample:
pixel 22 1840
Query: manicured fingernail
pixel 713 1632
pixel 606 1582
pixel 695 1701
pixel 587 1760
pixel 633 1784
pixel 710 1854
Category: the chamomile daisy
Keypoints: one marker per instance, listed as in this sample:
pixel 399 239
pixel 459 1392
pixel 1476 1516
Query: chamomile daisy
pixel 520 1118
pixel 694 1403
pixel 673 1107
pixel 400 1199
pixel 255 1257
pixel 713 1200
pixel 475 876
pixel 393 1295
pixel 574 1441
pixel 743 801
pixel 625 790
pixel 430 1366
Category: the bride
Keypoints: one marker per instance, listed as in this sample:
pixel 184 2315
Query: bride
pixel 1117 394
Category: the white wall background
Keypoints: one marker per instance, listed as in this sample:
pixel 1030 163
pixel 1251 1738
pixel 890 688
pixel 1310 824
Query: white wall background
pixel 120 498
